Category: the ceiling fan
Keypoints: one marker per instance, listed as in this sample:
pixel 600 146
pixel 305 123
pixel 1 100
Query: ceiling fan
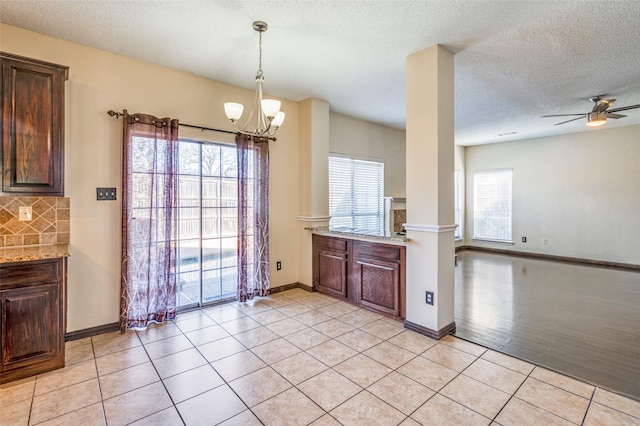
pixel 599 114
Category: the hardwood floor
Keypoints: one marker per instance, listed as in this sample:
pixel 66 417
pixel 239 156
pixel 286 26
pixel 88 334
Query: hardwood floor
pixel 583 321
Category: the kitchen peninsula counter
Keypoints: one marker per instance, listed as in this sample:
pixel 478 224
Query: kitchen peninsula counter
pixel 384 239
pixel 367 270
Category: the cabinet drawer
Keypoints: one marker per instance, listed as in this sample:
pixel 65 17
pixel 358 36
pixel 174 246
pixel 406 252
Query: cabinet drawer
pixel 31 273
pixel 378 251
pixel 330 243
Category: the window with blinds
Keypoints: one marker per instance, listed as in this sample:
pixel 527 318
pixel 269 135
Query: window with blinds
pixel 492 205
pixel 356 191
pixel 458 216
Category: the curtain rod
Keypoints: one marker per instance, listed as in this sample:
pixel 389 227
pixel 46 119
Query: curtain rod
pixel 113 113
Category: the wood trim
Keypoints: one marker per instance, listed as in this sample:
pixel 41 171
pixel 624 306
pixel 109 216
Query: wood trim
pixel 63 68
pixel 533 255
pixel 291 287
pixel 444 331
pixel 92 331
pixel 108 328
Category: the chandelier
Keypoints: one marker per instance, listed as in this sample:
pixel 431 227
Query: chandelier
pixel 265 117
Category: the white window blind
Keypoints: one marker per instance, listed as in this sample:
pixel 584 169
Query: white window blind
pixel 492 205
pixel 356 190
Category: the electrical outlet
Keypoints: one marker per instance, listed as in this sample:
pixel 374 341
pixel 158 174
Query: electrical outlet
pixel 524 239
pixel 278 265
pixel 545 241
pixel 429 298
pixel 105 194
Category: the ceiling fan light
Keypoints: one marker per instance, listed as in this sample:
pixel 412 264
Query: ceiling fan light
pixel 596 119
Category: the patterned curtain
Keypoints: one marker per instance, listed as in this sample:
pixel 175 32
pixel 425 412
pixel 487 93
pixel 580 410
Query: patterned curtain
pixel 149 220
pixel 253 217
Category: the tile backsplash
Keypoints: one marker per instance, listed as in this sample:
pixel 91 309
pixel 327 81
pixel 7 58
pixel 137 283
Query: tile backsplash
pixel 49 222
pixel 399 219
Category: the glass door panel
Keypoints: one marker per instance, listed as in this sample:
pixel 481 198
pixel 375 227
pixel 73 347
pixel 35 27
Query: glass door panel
pixel 207 267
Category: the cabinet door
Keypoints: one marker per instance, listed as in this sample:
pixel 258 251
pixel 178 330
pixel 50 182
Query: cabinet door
pixel 33 126
pixel 332 273
pixel 330 266
pixel 30 332
pixel 377 274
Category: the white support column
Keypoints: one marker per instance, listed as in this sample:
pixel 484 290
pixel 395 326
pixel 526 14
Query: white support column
pixel 313 145
pixel 430 193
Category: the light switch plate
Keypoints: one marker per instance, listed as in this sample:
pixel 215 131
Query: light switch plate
pixel 25 213
pixel 105 194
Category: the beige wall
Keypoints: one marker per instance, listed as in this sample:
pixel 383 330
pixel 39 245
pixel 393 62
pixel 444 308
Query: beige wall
pixel 100 81
pixel 579 191
pixel 362 139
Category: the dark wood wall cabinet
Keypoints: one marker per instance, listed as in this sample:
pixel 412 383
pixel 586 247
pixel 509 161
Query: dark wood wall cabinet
pixel 366 273
pixel 32 307
pixel 32 126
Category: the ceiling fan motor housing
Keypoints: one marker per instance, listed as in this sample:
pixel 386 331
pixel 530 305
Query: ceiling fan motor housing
pixel 598 118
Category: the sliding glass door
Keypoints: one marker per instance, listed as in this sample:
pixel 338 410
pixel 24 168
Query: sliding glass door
pixel 207 217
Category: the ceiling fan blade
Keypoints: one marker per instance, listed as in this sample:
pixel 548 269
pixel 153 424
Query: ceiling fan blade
pixel 568 121
pixel 616 116
pixel 625 108
pixel 603 105
pixel 562 115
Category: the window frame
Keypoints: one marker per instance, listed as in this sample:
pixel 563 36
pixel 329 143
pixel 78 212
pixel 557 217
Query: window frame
pixel 497 215
pixel 359 195
pixel 458 204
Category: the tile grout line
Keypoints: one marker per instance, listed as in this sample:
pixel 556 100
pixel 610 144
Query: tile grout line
pixel 33 397
pixel 210 364
pixel 584 418
pixel 329 367
pixel 54 390
pixel 452 379
pixel 95 363
pixel 513 395
pixel 293 386
pixel 159 377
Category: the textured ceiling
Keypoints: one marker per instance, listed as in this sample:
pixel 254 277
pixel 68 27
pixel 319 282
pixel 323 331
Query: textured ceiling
pixel 515 60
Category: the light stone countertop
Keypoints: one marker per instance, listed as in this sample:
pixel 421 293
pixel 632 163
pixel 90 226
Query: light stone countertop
pixel 26 253
pixel 400 240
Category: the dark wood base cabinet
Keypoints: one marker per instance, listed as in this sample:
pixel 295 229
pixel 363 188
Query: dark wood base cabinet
pixel 32 296
pixel 366 273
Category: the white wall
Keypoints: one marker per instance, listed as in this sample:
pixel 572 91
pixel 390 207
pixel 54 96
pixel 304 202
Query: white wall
pixel 580 191
pixel 100 81
pixel 362 139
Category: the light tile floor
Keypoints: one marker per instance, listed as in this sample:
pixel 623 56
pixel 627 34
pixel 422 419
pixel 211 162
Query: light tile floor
pixel 299 358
